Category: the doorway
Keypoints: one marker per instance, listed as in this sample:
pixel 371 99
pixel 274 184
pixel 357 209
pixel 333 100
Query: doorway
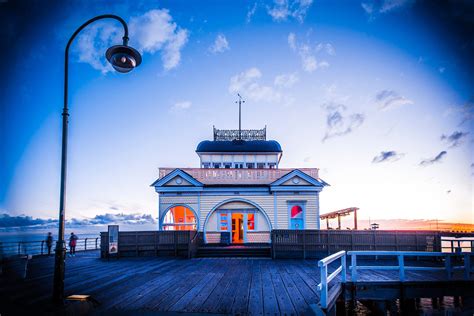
pixel 237 228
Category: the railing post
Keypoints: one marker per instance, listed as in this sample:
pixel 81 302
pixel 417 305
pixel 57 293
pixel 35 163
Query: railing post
pixel 42 243
pixel 85 244
pixel 448 265
pixel 401 267
pixel 354 267
pixel 452 246
pixel 467 266
pixel 97 238
pixel 344 268
pixel 324 286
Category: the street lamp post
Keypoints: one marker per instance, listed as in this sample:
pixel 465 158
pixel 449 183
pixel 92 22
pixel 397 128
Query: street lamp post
pixel 124 59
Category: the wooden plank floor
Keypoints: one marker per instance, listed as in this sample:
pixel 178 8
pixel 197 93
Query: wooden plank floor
pixel 203 285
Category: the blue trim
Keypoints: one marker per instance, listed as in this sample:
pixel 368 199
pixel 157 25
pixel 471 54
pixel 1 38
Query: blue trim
pixel 162 217
pixel 275 210
pixel 176 172
pixel 300 174
pixel 296 188
pixel 235 200
pixel 236 188
pixel 301 203
pixel 178 189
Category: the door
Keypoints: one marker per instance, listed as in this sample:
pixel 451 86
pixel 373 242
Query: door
pixel 237 228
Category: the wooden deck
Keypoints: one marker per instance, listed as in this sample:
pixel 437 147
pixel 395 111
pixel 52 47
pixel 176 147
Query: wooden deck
pixel 203 285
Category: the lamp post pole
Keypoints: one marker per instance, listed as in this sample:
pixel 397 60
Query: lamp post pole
pixel 123 59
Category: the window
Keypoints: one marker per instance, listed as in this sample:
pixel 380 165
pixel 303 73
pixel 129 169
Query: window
pixel 251 221
pixel 260 165
pixel 238 165
pixel 227 165
pixel 296 210
pixel 206 165
pixel 216 165
pixel 223 221
pixel 179 218
pixel 272 165
pixel 250 165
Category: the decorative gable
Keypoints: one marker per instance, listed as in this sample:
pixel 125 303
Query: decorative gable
pixel 297 180
pixel 177 180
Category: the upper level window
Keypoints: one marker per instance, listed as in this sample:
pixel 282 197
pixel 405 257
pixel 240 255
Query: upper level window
pixel 206 165
pixel 216 165
pixel 272 165
pixel 227 165
pixel 238 165
pixel 250 165
pixel 260 165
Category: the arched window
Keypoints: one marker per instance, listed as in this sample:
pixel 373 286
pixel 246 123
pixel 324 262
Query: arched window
pixel 179 218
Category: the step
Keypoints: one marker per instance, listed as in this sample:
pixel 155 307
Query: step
pixel 233 251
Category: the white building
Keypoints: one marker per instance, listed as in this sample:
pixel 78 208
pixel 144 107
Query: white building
pixel 239 189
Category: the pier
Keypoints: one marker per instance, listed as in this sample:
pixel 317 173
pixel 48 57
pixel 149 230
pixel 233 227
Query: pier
pixel 254 286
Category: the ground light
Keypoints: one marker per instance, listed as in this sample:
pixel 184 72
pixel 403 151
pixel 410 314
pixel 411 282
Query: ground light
pixel 124 59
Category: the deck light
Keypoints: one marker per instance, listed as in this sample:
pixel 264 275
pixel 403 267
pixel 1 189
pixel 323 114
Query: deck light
pixel 124 59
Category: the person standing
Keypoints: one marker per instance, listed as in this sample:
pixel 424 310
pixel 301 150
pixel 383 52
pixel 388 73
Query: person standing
pixel 49 242
pixel 72 245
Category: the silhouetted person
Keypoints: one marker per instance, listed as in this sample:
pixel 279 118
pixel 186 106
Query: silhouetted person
pixel 72 244
pixel 49 242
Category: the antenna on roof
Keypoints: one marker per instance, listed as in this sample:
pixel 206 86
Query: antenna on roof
pixel 240 101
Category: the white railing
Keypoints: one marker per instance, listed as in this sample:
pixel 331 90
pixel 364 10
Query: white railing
pixel 325 279
pixel 401 262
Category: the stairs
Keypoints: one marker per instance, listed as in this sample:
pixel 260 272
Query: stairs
pixel 242 251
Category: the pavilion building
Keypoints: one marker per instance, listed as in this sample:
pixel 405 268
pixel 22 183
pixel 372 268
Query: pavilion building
pixel 239 188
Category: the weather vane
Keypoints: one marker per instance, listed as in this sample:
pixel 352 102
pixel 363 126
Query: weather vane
pixel 240 101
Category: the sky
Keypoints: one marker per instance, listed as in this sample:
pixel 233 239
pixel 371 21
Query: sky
pixel 377 94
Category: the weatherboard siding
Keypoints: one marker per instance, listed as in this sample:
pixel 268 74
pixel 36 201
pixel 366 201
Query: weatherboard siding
pixel 204 204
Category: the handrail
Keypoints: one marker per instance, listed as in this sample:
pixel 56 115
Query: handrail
pixel 38 247
pixel 401 262
pixel 325 279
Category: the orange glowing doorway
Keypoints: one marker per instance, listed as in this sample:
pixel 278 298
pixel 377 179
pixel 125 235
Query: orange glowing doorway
pixel 237 228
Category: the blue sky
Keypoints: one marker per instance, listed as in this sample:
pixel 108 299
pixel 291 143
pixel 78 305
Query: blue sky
pixel 378 95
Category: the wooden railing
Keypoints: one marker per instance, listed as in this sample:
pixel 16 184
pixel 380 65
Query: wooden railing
pixel 320 243
pixel 401 267
pixel 325 296
pixel 150 243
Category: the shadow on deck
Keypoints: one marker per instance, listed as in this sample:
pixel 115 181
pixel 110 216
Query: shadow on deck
pixel 201 285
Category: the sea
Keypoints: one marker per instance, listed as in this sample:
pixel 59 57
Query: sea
pixel 28 240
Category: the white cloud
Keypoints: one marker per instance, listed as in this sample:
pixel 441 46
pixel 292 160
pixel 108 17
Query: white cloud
pixel 373 8
pixel 182 105
pixel 326 47
pixel 220 44
pixel 152 32
pixel 387 99
pixel 251 12
pixel 307 54
pixel 338 122
pixel 285 80
pixel 155 30
pixel 281 10
pixel 248 84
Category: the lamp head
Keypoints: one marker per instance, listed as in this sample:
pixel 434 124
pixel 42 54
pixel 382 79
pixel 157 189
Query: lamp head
pixel 123 58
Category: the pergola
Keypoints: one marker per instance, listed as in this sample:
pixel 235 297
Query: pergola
pixel 338 214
